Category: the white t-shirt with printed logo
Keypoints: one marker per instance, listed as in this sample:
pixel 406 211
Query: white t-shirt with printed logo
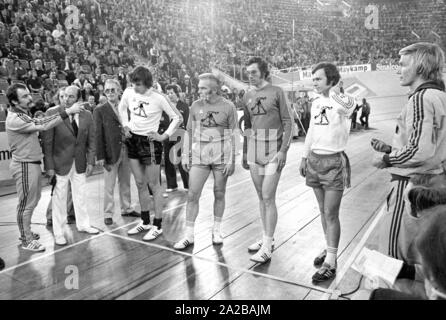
pixel 146 111
pixel 329 124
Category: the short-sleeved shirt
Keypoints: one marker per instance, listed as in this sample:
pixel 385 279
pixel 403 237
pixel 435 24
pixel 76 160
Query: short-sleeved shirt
pixel 268 115
pixel 212 122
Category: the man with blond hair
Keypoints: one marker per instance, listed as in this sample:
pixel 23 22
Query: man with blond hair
pixel 209 147
pixel 111 152
pixel 419 142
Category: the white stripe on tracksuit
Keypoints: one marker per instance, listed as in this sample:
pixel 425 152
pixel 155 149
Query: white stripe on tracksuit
pixel 28 178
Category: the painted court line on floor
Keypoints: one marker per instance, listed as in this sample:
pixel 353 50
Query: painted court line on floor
pixel 354 254
pixel 49 254
pixel 242 270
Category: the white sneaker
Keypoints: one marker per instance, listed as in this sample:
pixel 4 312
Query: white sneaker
pixel 33 245
pixel 183 244
pixel 261 256
pixel 165 195
pixel 257 245
pixel 153 234
pixel 217 239
pixel 171 190
pixel 60 240
pixel 141 227
pixel 89 230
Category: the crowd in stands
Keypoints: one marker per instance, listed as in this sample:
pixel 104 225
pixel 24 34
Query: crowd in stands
pixel 180 40
pixel 38 48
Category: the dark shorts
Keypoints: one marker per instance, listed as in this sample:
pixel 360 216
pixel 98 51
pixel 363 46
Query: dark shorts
pixel 329 172
pixel 147 152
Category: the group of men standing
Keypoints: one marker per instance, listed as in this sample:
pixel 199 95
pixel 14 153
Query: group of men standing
pixel 73 140
pixel 128 139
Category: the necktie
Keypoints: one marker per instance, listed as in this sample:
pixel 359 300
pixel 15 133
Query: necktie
pixel 74 125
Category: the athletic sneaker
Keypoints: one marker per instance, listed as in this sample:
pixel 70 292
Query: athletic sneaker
pixel 33 245
pixel 141 227
pixel 183 244
pixel 89 230
pixel 325 273
pixel 165 195
pixel 60 241
pixel 261 256
pixel 153 234
pixel 217 239
pixel 319 260
pixel 171 190
pixel 257 245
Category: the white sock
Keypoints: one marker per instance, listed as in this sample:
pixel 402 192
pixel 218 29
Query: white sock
pixel 217 225
pixel 267 242
pixel 190 230
pixel 331 256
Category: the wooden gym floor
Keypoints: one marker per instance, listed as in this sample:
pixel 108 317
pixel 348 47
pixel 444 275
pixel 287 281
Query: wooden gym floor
pixel 113 265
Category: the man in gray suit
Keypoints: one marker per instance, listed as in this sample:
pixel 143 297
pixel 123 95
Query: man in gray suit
pixel 111 152
pixel 69 151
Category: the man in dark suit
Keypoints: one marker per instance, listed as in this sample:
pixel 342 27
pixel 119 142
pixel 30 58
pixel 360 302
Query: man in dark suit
pixel 111 152
pixel 69 151
pixel 122 78
pixel 171 160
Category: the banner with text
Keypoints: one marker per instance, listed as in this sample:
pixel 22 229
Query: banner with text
pixel 387 67
pixel 5 157
pixel 306 74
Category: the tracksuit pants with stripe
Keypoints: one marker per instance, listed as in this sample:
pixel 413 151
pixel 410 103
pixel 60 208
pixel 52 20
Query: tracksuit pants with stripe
pixel 392 233
pixel 28 179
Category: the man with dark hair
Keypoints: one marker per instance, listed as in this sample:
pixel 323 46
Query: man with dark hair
pixel 171 172
pixel 141 108
pixel 69 150
pixel 268 134
pixel 22 131
pixel 324 164
pixel 365 113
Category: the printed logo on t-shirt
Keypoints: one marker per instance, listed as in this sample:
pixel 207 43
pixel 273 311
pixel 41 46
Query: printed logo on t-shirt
pixel 209 120
pixel 321 118
pixel 139 110
pixel 258 109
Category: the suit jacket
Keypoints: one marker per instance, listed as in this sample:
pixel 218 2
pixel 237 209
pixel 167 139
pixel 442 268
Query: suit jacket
pixel 108 134
pixel 61 147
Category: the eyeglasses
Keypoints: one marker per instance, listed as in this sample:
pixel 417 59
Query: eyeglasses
pixel 112 90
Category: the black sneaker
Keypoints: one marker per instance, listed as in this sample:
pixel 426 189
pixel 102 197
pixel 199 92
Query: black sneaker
pixel 71 219
pixel 2 264
pixel 108 221
pixel 131 214
pixel 319 260
pixel 49 223
pixel 325 273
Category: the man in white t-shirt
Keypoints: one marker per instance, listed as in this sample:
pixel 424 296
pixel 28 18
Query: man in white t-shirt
pixel 324 164
pixel 141 108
